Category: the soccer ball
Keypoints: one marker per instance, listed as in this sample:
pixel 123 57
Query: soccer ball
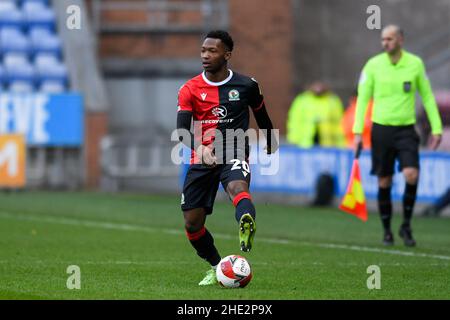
pixel 234 272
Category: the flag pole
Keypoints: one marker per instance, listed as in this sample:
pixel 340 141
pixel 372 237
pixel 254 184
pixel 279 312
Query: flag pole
pixel 358 150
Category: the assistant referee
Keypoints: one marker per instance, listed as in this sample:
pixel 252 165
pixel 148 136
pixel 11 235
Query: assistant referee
pixel 392 79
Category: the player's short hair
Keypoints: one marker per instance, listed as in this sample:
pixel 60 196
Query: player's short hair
pixel 223 36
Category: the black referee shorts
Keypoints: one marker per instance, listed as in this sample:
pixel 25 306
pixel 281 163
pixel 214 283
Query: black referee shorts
pixel 393 142
pixel 201 183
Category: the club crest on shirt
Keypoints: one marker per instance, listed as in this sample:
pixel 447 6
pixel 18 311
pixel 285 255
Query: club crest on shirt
pixel 233 95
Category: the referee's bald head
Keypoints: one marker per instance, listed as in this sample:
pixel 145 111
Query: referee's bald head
pixel 395 29
pixel 392 38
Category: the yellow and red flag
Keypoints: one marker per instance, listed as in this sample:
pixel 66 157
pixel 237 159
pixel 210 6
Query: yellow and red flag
pixel 354 201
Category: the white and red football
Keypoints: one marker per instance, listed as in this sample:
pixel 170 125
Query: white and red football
pixel 234 271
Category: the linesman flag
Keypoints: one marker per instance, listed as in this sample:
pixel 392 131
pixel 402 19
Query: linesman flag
pixel 354 201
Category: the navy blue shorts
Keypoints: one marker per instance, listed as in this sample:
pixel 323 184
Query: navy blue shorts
pixel 201 183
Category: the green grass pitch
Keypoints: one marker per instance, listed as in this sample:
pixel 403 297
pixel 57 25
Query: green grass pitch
pixel 134 247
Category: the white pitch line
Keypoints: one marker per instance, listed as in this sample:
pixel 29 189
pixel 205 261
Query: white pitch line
pixel 130 227
pixel 377 250
pixel 159 262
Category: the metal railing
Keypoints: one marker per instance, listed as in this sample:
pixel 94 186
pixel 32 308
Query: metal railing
pixel 134 157
pixel 55 168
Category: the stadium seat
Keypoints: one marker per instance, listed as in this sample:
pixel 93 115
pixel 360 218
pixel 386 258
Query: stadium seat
pixel 19 74
pixel 38 14
pixel 13 40
pixel 43 2
pixel 52 86
pixel 10 15
pixel 43 40
pixel 45 58
pixel 48 68
pixel 14 58
pixel 21 86
pixel 18 68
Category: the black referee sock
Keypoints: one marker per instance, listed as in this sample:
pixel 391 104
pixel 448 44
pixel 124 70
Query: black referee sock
pixel 203 243
pixel 385 207
pixel 409 199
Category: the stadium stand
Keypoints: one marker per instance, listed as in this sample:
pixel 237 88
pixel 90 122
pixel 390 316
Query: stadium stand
pixel 30 48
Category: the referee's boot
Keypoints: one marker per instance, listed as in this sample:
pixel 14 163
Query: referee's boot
pixel 406 234
pixel 388 238
pixel 247 229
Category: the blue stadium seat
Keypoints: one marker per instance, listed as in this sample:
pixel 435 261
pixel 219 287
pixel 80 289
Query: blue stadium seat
pixel 46 58
pixel 14 58
pixel 10 15
pixel 43 40
pixel 44 2
pixel 38 14
pixel 13 40
pixel 18 69
pixel 49 68
pixel 52 86
pixel 21 86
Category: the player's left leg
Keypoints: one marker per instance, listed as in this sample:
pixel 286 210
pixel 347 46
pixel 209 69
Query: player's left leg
pixel 411 175
pixel 235 178
pixel 245 213
pixel 407 144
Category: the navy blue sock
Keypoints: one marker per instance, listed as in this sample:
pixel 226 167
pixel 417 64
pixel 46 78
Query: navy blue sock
pixel 244 206
pixel 203 242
